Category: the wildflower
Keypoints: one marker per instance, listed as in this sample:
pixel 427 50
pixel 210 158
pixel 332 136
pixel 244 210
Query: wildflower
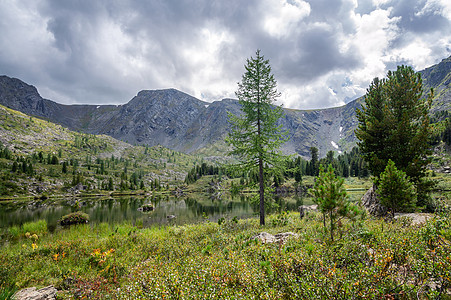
pixel 55 256
pixel 34 237
pixel 27 235
pixel 34 246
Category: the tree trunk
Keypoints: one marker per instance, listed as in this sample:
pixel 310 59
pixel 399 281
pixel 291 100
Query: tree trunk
pixel 262 192
pixel 260 158
pixel 331 227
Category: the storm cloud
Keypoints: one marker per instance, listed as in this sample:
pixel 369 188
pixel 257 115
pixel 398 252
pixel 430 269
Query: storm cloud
pixel 323 53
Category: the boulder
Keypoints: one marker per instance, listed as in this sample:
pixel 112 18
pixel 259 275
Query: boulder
pixel 74 218
pixel 46 293
pixel 414 218
pixel 370 201
pixel 278 238
pixel 306 208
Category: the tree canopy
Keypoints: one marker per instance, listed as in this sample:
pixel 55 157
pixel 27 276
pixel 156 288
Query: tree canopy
pixel 394 124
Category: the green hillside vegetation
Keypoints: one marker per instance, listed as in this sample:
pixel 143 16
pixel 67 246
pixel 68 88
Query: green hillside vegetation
pixel 368 260
pixel 39 158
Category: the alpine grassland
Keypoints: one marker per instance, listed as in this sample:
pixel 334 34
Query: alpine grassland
pixel 368 259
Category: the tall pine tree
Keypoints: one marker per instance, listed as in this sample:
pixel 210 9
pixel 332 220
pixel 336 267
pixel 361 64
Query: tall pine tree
pixel 394 124
pixel 256 135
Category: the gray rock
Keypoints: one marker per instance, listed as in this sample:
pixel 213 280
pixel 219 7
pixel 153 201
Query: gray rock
pixel 306 208
pixel 46 293
pixel 370 201
pixel 415 218
pixel 278 238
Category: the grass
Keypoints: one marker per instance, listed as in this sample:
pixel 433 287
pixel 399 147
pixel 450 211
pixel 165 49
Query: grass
pixel 371 259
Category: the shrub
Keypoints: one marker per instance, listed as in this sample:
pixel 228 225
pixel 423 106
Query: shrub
pixel 38 227
pixel 331 197
pixel 395 190
pixel 14 231
pixel 74 218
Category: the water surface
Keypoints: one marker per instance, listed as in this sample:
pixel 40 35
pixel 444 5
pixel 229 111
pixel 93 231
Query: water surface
pixel 192 208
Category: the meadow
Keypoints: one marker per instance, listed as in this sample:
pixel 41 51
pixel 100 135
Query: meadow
pixel 369 259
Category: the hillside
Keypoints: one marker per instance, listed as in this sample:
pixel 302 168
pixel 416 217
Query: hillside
pixel 438 77
pixel 37 156
pixel 181 122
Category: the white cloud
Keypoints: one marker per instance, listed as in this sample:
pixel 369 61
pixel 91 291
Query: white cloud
pixel 282 16
pixel 323 53
pixel 209 65
pixel 436 7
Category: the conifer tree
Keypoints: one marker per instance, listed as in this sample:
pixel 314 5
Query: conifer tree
pixel 256 135
pixel 330 196
pixel 314 164
pixel 394 124
pixel 395 190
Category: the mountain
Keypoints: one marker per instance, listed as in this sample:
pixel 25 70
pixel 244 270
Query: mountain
pixel 177 120
pixel 181 122
pixel 438 77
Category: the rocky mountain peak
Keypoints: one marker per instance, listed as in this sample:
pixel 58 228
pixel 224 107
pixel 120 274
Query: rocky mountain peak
pixel 182 122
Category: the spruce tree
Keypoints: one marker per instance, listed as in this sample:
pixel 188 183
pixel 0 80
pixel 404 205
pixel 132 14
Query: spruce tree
pixel 394 124
pixel 395 190
pixel 330 196
pixel 256 135
pixel 314 164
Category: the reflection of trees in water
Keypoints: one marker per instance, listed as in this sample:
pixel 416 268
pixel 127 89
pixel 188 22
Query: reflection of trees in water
pixel 208 206
pixel 189 209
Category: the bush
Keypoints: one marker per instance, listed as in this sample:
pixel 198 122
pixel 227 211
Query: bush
pixel 74 218
pixel 331 197
pixel 395 190
pixel 14 231
pixel 38 227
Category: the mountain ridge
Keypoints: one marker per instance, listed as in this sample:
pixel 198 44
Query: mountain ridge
pixel 179 121
pixel 170 118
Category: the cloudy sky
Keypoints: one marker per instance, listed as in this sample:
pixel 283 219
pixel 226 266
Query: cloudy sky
pixel 323 53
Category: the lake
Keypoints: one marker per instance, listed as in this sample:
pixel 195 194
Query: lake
pixel 192 208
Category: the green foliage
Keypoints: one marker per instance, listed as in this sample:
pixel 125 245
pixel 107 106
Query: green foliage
pixel 330 196
pixel 394 124
pixel 39 227
pixel 211 261
pixel 7 292
pixel 314 165
pixel 40 154
pixel 74 218
pixel 281 219
pixel 201 170
pixel 255 135
pixel 298 174
pixel 396 192
pixel 347 164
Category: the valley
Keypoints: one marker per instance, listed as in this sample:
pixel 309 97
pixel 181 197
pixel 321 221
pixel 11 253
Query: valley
pixel 165 150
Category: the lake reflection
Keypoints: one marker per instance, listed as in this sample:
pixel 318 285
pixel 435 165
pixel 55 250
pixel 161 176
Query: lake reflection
pixel 189 209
